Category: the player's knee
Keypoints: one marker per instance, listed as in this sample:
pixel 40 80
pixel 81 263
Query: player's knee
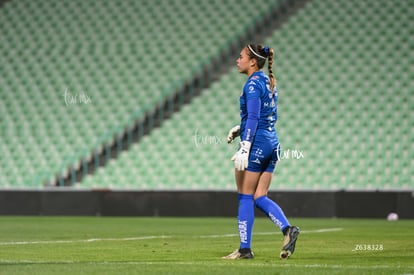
pixel 258 196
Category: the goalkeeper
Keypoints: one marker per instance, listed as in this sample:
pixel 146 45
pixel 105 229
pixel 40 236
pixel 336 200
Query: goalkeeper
pixel 258 152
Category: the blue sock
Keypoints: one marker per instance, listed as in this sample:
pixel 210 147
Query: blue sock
pixel 245 219
pixel 273 211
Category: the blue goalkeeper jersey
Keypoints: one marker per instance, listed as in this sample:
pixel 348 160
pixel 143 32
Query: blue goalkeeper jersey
pixel 257 109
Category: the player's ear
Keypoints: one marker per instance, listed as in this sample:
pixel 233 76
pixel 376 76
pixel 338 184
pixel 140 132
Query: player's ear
pixel 253 62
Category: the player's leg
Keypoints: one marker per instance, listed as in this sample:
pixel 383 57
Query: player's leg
pixel 273 210
pixel 268 206
pixel 246 183
pixel 239 176
pixel 246 212
pixel 270 156
pixel 276 215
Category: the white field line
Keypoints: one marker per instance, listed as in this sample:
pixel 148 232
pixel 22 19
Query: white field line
pixel 87 240
pixel 323 230
pixel 222 263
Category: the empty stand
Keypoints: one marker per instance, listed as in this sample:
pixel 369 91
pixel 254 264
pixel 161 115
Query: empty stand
pixel 343 114
pixel 76 73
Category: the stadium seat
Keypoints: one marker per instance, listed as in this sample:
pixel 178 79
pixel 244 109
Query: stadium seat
pixel 344 71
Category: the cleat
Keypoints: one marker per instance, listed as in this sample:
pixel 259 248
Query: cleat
pixel 244 253
pixel 232 256
pixel 289 242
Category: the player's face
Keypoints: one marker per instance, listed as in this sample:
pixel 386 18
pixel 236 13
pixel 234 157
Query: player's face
pixel 244 61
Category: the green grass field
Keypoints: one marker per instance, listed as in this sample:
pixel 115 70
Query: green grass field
pixel 102 245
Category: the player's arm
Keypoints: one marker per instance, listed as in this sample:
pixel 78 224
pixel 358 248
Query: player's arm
pixel 241 158
pixel 253 114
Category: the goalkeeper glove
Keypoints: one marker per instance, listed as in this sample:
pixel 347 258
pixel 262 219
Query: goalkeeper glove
pixel 241 158
pixel 233 133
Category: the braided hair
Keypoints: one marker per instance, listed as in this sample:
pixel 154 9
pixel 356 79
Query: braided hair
pixel 261 53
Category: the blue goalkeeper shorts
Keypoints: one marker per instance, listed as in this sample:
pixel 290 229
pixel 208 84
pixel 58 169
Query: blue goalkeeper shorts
pixel 263 156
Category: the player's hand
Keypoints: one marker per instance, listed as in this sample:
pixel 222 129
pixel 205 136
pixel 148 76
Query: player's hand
pixel 241 158
pixel 233 133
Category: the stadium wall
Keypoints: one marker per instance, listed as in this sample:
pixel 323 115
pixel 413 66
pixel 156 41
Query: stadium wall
pixel 349 204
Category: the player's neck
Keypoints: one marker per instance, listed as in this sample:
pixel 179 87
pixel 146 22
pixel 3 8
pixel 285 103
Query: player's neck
pixel 249 73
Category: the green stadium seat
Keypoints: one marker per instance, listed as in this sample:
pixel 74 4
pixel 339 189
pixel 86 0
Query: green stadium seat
pixel 333 91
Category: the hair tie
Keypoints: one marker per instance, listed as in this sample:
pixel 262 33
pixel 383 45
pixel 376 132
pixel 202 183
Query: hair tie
pixel 255 53
pixel 266 50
